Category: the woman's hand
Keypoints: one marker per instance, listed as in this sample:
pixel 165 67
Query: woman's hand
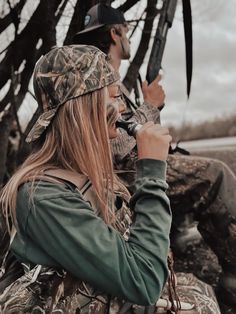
pixel 153 141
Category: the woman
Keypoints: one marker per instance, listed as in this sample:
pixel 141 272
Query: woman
pixel 68 206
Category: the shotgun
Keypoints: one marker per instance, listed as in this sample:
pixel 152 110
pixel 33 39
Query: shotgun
pixel 166 17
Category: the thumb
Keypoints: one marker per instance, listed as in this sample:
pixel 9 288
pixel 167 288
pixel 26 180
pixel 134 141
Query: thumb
pixel 144 86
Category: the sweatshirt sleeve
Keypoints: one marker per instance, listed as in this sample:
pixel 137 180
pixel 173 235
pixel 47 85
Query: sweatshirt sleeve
pixel 67 229
pixel 124 143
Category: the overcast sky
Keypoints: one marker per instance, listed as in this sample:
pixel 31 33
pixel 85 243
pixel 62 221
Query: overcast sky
pixel 213 91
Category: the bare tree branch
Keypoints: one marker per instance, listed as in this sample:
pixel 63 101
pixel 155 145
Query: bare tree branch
pixel 7 20
pixel 24 48
pixel 12 90
pixel 14 17
pixel 137 24
pixel 61 10
pixel 25 42
pixel 127 5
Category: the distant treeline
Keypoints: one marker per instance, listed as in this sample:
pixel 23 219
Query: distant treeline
pixel 220 127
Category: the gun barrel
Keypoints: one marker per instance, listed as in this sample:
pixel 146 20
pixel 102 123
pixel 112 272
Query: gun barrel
pixel 154 64
pixel 165 22
pixel 171 11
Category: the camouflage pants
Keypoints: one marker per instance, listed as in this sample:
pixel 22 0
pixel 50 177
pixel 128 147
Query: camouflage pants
pixel 205 188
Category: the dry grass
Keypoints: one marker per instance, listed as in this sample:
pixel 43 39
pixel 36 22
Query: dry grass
pixel 223 127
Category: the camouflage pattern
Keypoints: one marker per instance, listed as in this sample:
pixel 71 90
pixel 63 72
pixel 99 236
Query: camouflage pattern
pixel 65 73
pixel 192 290
pixel 205 188
pixel 123 146
pixel 45 290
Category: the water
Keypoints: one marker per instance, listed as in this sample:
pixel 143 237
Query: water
pixel 210 144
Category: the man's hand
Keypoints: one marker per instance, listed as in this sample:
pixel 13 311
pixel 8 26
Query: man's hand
pixel 153 93
pixel 153 141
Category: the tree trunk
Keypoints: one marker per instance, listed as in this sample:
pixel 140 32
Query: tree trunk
pixel 132 73
pixel 5 128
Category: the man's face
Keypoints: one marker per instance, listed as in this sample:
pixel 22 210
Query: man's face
pixel 124 42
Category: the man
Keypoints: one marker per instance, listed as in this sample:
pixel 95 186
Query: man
pixel 200 186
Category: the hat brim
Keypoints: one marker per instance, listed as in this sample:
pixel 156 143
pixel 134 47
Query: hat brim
pixel 90 29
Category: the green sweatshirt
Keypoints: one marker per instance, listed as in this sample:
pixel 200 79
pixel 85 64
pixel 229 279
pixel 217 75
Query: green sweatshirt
pixel 62 230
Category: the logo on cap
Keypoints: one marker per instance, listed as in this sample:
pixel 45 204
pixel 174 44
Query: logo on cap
pixel 87 20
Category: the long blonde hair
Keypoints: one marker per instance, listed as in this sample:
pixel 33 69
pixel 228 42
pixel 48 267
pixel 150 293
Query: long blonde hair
pixel 76 140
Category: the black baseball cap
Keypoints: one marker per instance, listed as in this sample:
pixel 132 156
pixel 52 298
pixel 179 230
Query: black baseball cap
pixel 100 15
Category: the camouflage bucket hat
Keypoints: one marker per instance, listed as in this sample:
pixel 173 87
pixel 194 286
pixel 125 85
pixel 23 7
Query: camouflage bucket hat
pixel 65 73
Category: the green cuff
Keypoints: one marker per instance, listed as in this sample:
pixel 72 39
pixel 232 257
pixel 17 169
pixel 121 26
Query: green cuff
pixel 151 168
